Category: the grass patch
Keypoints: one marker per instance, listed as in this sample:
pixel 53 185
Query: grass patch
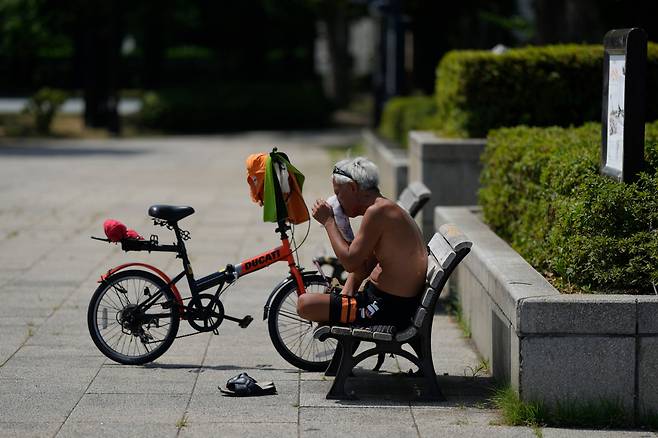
pixel 482 368
pixel 182 422
pixel 67 126
pixel 601 414
pixel 515 412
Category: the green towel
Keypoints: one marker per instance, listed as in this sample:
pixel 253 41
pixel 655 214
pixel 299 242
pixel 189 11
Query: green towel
pixel 269 203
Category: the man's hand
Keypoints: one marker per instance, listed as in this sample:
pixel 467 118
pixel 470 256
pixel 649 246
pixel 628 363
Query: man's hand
pixel 322 212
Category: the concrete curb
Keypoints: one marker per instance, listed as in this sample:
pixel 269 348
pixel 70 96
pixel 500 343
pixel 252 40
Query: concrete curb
pixel 553 347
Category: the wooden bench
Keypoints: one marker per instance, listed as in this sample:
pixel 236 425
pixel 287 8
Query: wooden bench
pixel 447 249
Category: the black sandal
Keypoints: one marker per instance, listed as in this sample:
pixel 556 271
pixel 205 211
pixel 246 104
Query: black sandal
pixel 243 385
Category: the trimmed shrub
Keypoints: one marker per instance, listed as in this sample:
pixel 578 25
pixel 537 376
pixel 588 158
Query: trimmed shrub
pixel 542 192
pixel 236 106
pixel 403 114
pixel 43 107
pixel 539 86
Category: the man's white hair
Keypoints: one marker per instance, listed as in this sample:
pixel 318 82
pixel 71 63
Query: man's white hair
pixel 360 170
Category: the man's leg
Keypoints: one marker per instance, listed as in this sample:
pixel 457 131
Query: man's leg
pixel 337 309
pixel 314 307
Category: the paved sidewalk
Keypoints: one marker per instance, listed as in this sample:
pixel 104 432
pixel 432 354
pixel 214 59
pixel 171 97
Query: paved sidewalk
pixel 53 380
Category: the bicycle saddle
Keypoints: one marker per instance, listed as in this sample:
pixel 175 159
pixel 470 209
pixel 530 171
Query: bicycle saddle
pixel 170 213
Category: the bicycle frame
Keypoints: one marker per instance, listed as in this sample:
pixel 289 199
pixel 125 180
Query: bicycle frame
pixel 231 273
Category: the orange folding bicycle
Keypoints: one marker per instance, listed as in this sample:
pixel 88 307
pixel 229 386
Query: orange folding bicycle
pixel 135 313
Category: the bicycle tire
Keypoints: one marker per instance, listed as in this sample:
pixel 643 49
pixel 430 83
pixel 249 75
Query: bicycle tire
pixel 291 335
pixel 106 322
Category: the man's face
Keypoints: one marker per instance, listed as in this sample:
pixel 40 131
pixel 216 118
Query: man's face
pixel 346 194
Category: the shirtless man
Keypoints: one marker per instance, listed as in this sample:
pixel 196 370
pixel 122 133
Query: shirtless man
pixel 388 250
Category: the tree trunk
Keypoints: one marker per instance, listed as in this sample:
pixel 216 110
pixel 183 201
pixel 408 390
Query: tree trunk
pixel 100 65
pixel 337 25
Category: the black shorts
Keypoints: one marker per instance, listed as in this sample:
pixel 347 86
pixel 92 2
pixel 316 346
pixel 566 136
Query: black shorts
pixel 372 307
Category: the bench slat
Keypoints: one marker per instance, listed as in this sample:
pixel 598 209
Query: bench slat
pixel 428 296
pixel 420 190
pixel 434 272
pixel 406 334
pixel 341 330
pixel 362 333
pixel 455 237
pixel 382 336
pixel 407 199
pixel 414 197
pixel 420 317
pixel 442 250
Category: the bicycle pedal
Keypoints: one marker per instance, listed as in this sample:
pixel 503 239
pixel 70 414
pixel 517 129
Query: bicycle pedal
pixel 244 322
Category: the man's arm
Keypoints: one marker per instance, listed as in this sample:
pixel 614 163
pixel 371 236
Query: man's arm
pixel 354 279
pixel 360 251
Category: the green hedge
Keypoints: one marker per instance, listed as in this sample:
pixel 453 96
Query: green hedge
pixel 538 86
pixel 403 114
pixel 236 106
pixel 542 192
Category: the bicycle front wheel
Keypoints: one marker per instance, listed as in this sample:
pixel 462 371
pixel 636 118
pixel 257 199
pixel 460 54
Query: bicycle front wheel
pixel 292 335
pixel 122 330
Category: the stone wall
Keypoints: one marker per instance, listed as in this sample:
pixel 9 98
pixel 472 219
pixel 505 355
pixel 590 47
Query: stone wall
pixel 392 162
pixel 449 167
pixel 549 346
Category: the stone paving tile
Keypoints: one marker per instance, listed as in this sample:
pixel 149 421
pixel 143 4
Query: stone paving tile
pixel 313 394
pixel 116 429
pixel 140 380
pixel 246 429
pixel 130 408
pixel 282 407
pixel 36 407
pixel 461 416
pixel 356 421
pixel 53 384
pixel 465 431
pixel 28 429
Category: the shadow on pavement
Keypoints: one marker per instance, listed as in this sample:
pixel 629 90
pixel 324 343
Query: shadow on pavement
pixel 196 367
pixel 399 387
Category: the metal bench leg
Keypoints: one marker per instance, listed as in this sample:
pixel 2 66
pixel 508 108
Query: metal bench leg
pixel 332 369
pixel 335 361
pixel 415 345
pixel 427 370
pixel 337 391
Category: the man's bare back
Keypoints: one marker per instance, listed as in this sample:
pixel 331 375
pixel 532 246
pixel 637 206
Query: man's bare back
pixel 400 252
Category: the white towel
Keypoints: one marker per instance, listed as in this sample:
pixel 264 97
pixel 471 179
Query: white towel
pixel 342 221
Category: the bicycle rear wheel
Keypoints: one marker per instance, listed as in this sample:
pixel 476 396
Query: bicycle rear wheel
pixel 120 330
pixel 292 335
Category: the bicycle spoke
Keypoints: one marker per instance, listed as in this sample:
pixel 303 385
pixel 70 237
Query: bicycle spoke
pixel 293 317
pixel 110 303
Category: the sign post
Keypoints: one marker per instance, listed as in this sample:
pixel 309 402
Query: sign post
pixel 624 88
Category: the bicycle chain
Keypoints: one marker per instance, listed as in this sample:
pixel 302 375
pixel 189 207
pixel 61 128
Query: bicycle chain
pixel 184 234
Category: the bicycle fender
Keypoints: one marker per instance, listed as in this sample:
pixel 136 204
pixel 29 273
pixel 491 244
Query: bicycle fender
pixel 161 274
pixel 280 286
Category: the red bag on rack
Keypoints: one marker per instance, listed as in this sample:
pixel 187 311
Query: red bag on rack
pixel 116 231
